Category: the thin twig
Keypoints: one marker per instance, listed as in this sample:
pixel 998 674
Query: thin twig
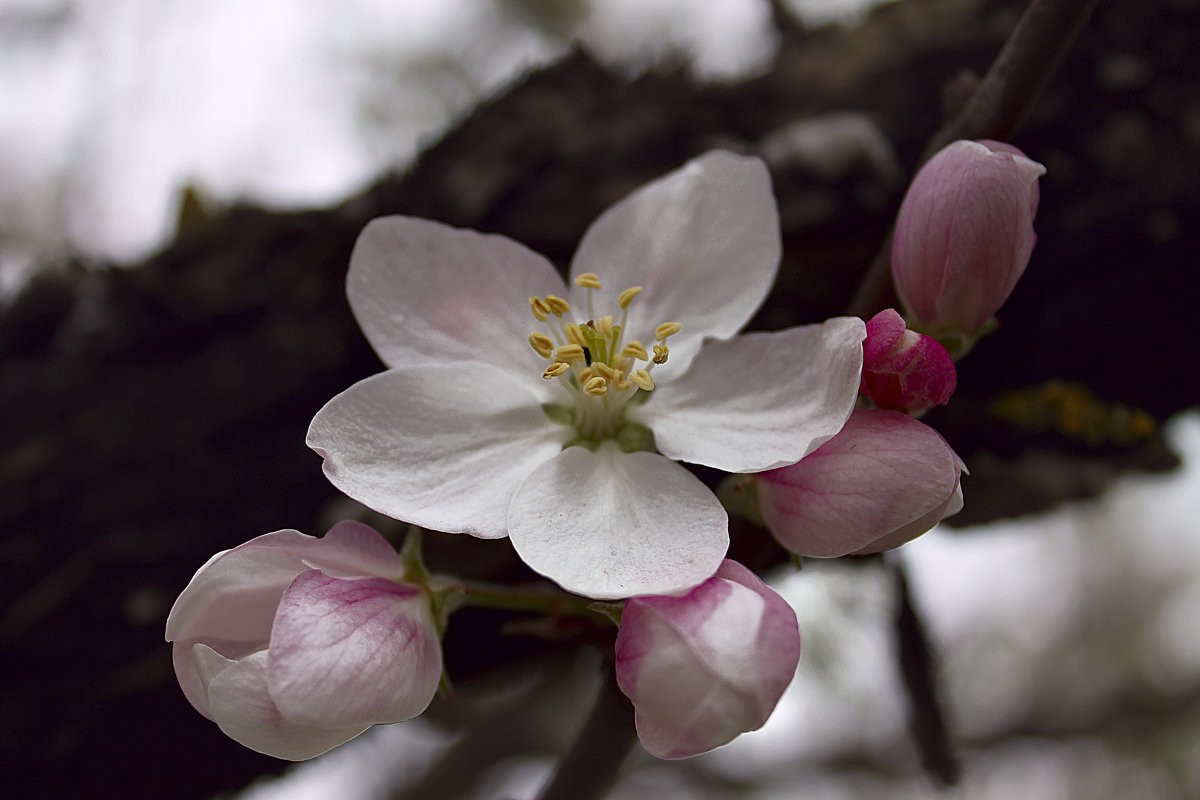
pixel 996 108
pixel 926 720
pixel 590 767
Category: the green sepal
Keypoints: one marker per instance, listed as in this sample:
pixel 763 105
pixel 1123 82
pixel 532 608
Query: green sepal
pixel 635 438
pixel 611 610
pixel 739 495
pixel 560 414
pixel 588 444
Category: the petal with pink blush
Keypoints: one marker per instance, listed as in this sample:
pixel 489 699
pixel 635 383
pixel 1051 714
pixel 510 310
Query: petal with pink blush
pixel 355 652
pixel 884 479
pixel 964 234
pixel 706 666
pixel 902 369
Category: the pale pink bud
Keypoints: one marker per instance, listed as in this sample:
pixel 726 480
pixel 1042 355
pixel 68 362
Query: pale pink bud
pixel 903 369
pixel 964 234
pixel 885 479
pixel 705 667
pixel 294 644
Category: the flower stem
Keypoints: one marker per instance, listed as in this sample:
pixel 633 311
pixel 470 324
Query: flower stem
pixel 994 111
pixel 538 597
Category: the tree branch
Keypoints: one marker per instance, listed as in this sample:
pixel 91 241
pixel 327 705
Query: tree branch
pixel 926 720
pixel 590 767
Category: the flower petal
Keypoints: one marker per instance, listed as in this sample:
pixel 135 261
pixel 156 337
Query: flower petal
pixel 242 707
pixel 232 598
pixel 345 653
pixel 196 664
pixel 707 666
pixel 702 242
pixel 761 400
pixel 883 480
pixel 441 447
pixel 426 293
pixel 610 524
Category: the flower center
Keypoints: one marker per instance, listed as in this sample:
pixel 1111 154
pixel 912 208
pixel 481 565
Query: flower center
pixel 600 369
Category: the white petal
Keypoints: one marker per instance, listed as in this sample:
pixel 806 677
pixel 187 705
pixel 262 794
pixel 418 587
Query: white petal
pixel 347 652
pixel 611 524
pixel 233 597
pixel 761 400
pixel 703 242
pixel 426 293
pixel 441 447
pixel 242 707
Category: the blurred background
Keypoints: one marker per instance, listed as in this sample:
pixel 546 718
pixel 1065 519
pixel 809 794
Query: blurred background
pixel 180 186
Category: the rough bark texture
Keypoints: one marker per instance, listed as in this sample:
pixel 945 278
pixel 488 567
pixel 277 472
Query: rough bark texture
pixel 150 417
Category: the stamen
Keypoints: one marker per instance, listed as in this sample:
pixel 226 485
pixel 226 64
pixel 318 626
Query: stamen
pixel 665 330
pixel 556 369
pixel 620 382
pixel 540 310
pixel 585 375
pixel 574 334
pixel 588 280
pixel 626 297
pixel 557 305
pixel 660 353
pixel 569 352
pixel 596 386
pixel 541 344
pixel 605 326
pixel 642 379
pixel 635 349
pixel 603 370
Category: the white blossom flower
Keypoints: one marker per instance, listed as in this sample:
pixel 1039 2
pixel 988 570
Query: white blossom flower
pixel 516 404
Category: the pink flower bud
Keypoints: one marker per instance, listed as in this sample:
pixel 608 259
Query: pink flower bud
pixel 884 479
pixel 707 666
pixel 294 645
pixel 903 369
pixel 964 234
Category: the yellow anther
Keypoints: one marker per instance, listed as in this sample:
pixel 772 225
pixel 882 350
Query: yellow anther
pixel 557 305
pixel 666 329
pixel 620 382
pixel 604 325
pixel 541 344
pixel 603 370
pixel 574 334
pixel 642 379
pixel 635 349
pixel 660 353
pixel 585 375
pixel 569 353
pixel 626 297
pixel 588 280
pixel 539 308
pixel 556 369
pixel 596 386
